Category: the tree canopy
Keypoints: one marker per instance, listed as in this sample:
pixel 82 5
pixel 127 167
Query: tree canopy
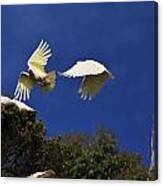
pixel 26 149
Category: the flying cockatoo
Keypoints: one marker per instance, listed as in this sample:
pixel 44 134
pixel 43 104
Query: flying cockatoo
pixel 36 74
pixel 93 74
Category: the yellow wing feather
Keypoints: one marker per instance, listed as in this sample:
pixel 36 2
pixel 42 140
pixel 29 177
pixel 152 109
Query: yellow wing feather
pixel 92 84
pixel 24 86
pixel 39 59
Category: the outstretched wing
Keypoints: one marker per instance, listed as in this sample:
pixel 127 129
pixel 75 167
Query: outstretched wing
pixel 24 86
pixel 84 68
pixel 39 59
pixel 94 76
pixel 92 84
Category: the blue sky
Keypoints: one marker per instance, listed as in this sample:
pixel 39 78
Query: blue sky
pixel 121 35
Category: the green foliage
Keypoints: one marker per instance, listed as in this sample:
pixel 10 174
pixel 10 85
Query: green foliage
pixel 26 150
pixel 22 141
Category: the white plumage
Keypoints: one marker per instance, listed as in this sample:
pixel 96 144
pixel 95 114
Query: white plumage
pixel 83 68
pixel 39 59
pixel 36 74
pixel 94 76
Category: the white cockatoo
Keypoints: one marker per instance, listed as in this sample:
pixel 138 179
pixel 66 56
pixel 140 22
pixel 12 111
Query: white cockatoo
pixel 93 74
pixel 36 74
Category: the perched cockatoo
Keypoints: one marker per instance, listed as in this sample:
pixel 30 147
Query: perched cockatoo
pixel 36 74
pixel 94 75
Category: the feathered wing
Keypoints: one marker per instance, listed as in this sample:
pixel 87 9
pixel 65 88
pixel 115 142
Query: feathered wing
pixel 39 59
pixel 92 84
pixel 83 68
pixel 94 77
pixel 24 86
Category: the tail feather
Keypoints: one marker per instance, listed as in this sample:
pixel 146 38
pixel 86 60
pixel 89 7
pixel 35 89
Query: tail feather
pixel 49 81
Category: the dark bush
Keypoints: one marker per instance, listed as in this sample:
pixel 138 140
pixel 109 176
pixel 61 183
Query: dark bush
pixel 26 150
pixel 22 141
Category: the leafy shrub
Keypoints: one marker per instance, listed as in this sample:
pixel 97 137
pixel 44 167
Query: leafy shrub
pixel 26 150
pixel 22 141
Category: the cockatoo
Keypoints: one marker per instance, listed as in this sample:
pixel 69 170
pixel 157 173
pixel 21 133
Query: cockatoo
pixel 36 74
pixel 94 75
